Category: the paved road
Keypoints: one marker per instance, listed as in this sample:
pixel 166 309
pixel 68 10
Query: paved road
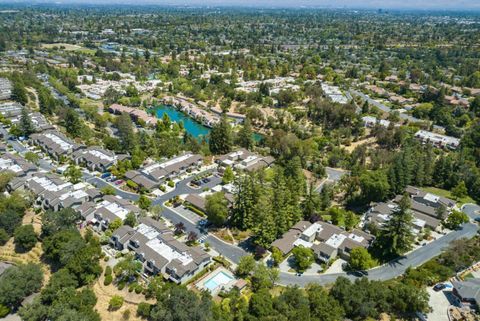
pixel 333 176
pixel 182 187
pixel 234 253
pixel 387 109
pixel 397 267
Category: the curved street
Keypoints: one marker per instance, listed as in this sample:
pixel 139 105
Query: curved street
pixel 234 253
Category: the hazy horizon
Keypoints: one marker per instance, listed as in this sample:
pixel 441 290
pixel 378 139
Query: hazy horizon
pixel 352 4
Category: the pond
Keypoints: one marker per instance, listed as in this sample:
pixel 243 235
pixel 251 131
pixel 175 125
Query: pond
pixel 191 126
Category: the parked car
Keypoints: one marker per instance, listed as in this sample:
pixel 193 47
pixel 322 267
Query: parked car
pixel 118 182
pixel 439 287
pixel 105 175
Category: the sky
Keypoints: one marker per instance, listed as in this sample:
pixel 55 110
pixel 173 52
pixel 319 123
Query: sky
pixel 386 4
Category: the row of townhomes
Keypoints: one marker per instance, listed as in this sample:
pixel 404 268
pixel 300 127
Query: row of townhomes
pixel 52 192
pixel 154 245
pixel 58 146
pixel 437 140
pixel 244 159
pixel 16 165
pixel 5 89
pixel 201 115
pixel 424 207
pixel 39 122
pixel 100 212
pixel 326 240
pixel 151 241
pixel 135 113
pixel 153 175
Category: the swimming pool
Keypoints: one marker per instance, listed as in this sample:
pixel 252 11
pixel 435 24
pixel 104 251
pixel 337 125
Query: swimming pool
pixel 219 279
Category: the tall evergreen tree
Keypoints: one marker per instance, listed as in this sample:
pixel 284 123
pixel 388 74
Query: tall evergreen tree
pixel 125 132
pixel 245 135
pixel 245 199
pixel 397 237
pixel 280 201
pixel 265 227
pixel 220 141
pixel 26 125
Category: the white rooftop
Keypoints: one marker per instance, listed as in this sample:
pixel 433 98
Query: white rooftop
pixel 312 229
pixel 336 240
pixel 303 243
pixel 63 144
pixel 431 198
pixel 168 252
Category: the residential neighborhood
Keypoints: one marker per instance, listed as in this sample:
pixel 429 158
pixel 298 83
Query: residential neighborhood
pixel 239 162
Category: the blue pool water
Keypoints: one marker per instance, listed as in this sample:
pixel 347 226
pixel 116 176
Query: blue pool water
pixel 191 126
pixel 217 280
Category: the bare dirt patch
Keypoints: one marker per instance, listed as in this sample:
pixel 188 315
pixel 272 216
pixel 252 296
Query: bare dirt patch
pixel 105 293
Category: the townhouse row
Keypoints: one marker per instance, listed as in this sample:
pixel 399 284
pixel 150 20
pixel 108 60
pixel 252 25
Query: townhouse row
pixel 426 208
pixel 326 240
pixel 159 251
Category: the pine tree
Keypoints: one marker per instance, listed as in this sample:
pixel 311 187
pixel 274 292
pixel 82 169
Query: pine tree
pixel 397 237
pixel 245 199
pixel 220 141
pixel 245 135
pixel 26 125
pixel 279 201
pixel 265 227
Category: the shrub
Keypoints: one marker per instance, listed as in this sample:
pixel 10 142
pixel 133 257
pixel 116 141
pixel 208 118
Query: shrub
pixel 143 310
pixel 108 270
pixel 121 285
pixel 115 303
pixel 25 237
pixel 108 280
pixel 131 287
pixel 171 183
pixel 126 314
pixel 4 311
pixel 4 237
pixel 138 289
pixel 132 184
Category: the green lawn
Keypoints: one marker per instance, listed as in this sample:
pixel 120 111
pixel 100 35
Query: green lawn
pixel 448 194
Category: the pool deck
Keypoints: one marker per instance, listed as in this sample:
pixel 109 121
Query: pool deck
pixel 200 284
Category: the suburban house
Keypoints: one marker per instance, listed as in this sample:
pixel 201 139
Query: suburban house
pixel 154 245
pixel 5 89
pixel 16 164
pixel 243 159
pixel 108 210
pixel 135 114
pixel 55 144
pixel 10 109
pixel 424 208
pixel 95 158
pixel 196 201
pixel 39 122
pixel 437 140
pixel 152 176
pixel 468 292
pixel 326 240
pixel 51 191
pixel 370 122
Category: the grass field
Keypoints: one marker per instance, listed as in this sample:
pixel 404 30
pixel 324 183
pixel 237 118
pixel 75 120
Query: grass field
pixel 68 47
